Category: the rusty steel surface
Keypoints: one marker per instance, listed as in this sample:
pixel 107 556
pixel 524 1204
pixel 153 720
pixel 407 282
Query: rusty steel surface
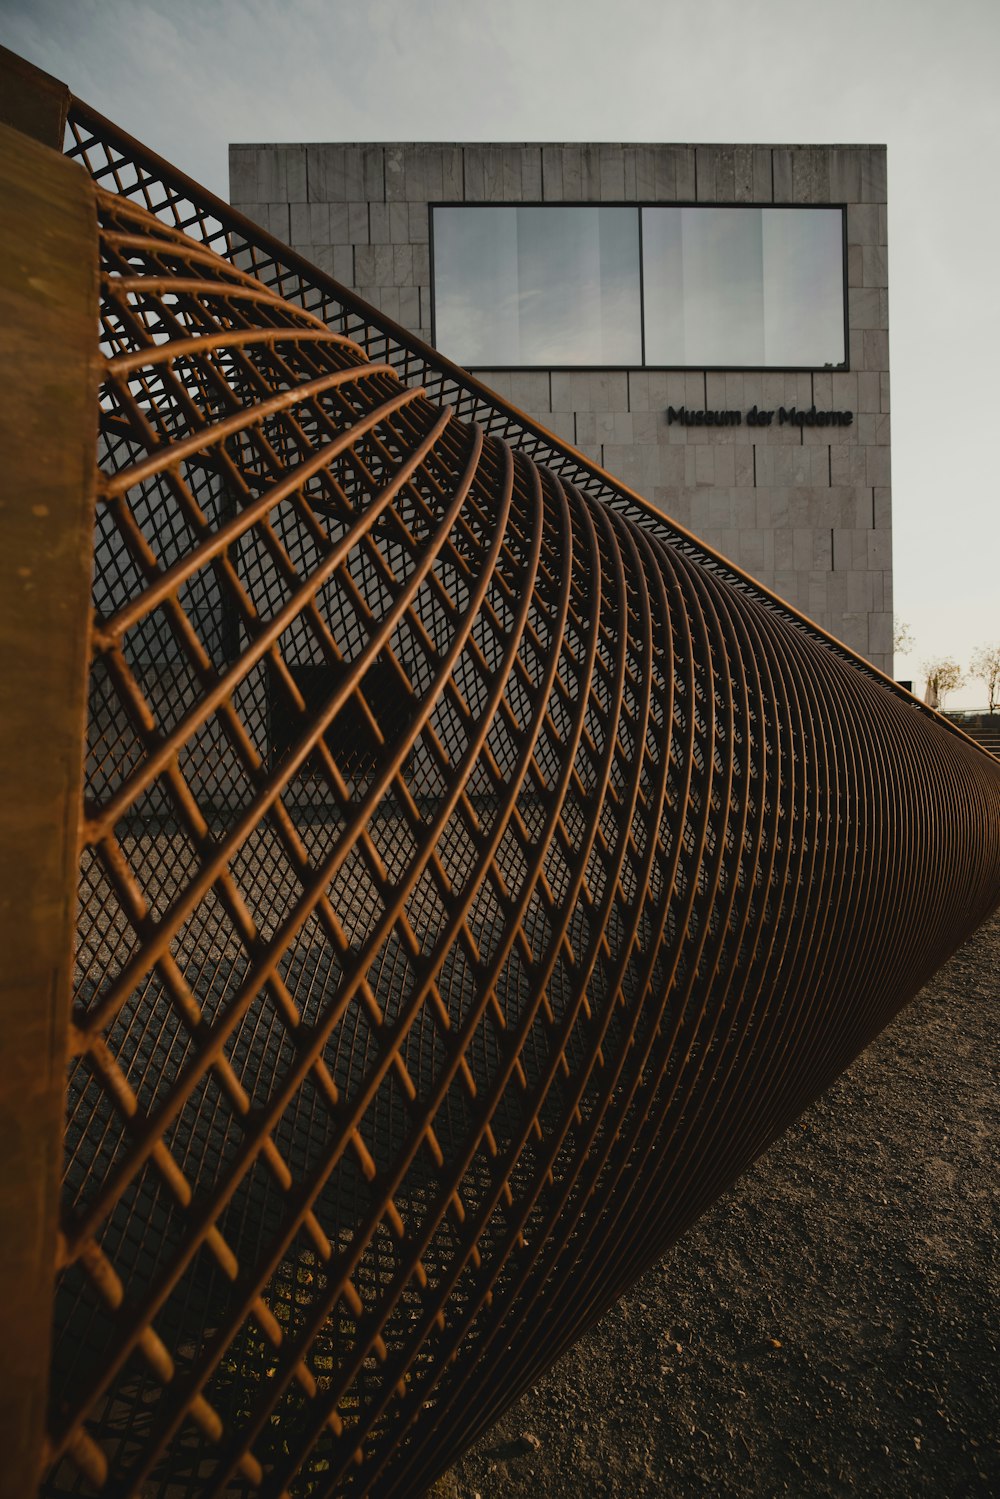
pixel 477 875
pixel 48 384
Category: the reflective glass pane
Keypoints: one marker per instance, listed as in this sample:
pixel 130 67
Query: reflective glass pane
pixel 804 286
pixel 743 287
pixel 537 286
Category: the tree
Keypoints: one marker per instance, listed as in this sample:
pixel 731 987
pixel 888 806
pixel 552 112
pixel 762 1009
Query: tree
pixel 902 640
pixel 985 667
pixel 943 676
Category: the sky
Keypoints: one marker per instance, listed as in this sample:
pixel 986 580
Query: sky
pixel 920 76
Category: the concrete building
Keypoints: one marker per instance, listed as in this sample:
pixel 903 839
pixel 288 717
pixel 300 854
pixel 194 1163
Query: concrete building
pixel 771 444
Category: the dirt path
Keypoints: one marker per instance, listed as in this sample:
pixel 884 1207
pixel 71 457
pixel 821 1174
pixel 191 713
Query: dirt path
pixel 830 1327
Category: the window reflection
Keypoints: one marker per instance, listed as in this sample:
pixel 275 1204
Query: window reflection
pixel 537 286
pixel 744 288
pixel 704 293
pixel 803 286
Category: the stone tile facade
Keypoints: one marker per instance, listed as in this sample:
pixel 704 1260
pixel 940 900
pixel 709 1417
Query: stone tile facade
pixel 806 510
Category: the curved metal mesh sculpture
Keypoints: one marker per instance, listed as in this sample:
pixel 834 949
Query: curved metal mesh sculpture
pixel 474 883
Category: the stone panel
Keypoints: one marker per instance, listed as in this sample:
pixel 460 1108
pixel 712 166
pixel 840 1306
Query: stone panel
pixel 872 426
pixel 395 174
pixel 354 174
pixel 853 631
pixel 706 161
pixel 763 175
pixel 877 467
pixel 531 173
pixel 561 424
pixel 743 174
pixel 373 264
pixel 874 260
pixel 530 390
pixel 326 173
pixel 474 174
pixel 357 223
pixel 271 181
pixel 810 175
pixel 402 265
pixel 864 307
pixel 378 223
pixel 243 174
pixel 845 175
pixel 881 507
pixel 781 178
pixel 869 398
pixel 636 466
pixel 310 223
pixel 611 172
pixel 572 175
pixel 679 164
pixel 873 174
pixel 511 189
pixel 862 224
pixel 409 307
pixel 645 172
pixel 278 221
pixel 373 174
pixel 552 174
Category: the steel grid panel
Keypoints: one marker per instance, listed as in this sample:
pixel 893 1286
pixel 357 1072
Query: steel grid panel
pixel 474 882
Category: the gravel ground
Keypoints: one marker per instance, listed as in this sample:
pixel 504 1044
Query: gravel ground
pixel 830 1327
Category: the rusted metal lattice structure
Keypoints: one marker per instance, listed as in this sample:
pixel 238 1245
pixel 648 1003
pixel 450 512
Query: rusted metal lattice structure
pixel 475 875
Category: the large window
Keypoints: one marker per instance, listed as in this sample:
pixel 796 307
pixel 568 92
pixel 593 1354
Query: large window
pixel 686 287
